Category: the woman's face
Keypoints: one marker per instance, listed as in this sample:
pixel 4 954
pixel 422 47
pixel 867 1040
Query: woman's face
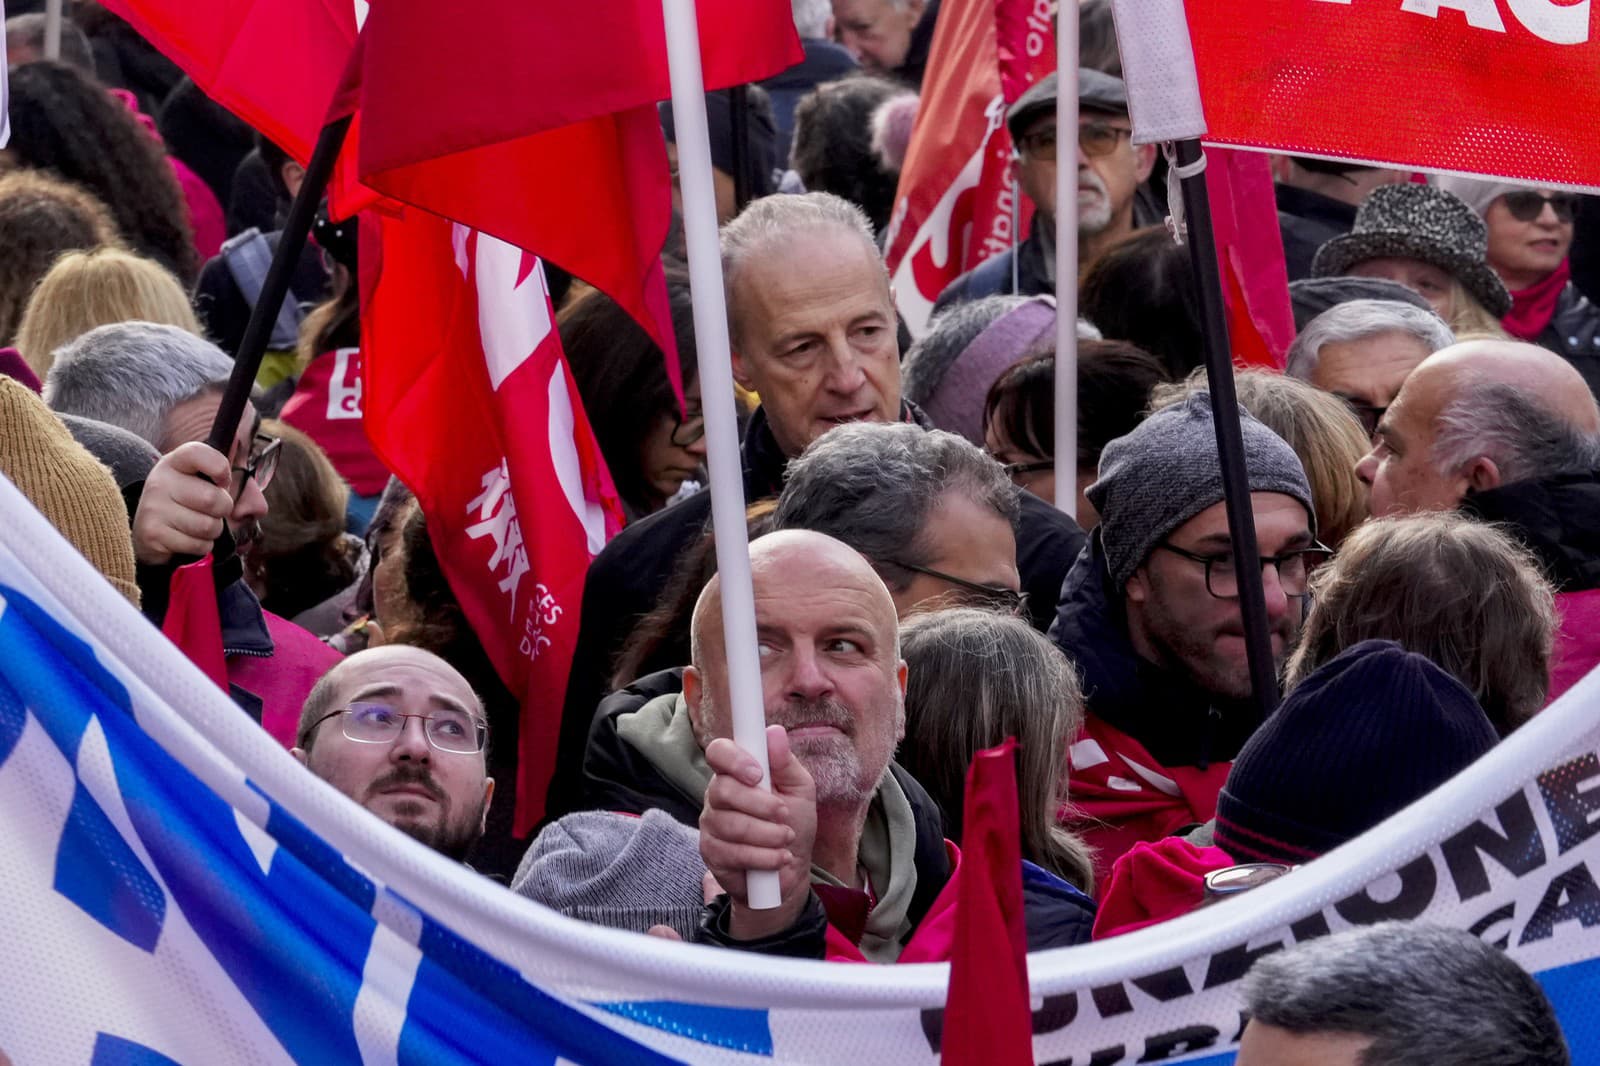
pixel 1027 470
pixel 673 450
pixel 1526 252
pixel 1424 279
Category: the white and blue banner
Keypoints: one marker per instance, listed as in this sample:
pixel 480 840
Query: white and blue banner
pixel 177 889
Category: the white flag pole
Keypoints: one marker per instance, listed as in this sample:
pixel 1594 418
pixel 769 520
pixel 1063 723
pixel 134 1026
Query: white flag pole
pixel 722 429
pixel 1066 428
pixel 52 29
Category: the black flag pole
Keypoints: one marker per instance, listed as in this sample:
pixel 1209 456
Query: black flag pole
pixel 739 144
pixel 1225 416
pixel 1164 104
pixel 291 243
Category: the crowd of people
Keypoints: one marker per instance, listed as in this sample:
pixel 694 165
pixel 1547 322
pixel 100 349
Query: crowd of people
pixel 1424 481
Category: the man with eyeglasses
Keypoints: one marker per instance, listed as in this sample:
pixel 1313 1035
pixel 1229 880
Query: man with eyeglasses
pixel 165 385
pixel 1150 615
pixel 1363 350
pixel 399 731
pixel 1110 170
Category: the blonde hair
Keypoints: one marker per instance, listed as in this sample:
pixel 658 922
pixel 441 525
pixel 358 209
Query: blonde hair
pixel 1319 426
pixel 975 678
pixel 1458 592
pixel 100 287
pixel 1470 320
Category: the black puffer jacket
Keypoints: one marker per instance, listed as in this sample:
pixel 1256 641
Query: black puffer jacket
pixel 1574 334
pixel 1558 519
pixel 1178 723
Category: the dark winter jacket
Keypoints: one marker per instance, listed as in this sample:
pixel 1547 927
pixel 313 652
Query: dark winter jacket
pixel 1574 334
pixel 626 579
pixel 1308 220
pixel 992 277
pixel 1177 722
pixel 824 62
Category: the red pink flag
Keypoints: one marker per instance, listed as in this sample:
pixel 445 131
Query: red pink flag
pixel 468 398
pixel 192 621
pixel 988 1017
pixel 1504 87
pixel 274 63
pixel 1255 282
pixel 954 207
pixel 542 129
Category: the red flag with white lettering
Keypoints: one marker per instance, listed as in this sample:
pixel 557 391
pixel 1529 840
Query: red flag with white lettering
pixel 469 400
pixel 953 208
pixel 1504 87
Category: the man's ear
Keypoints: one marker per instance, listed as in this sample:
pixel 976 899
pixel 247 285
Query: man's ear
pixel 300 755
pixel 694 689
pixel 293 175
pixel 741 371
pixel 488 797
pixel 1482 474
pixel 1138 587
pixel 1145 157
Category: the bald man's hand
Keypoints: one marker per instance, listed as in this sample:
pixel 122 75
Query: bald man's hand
pixel 179 513
pixel 744 828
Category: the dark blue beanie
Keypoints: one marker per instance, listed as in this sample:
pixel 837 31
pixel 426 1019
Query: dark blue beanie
pixel 1362 737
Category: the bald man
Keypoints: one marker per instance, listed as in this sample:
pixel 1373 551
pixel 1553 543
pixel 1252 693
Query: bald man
pixel 400 731
pixel 1508 433
pixel 833 686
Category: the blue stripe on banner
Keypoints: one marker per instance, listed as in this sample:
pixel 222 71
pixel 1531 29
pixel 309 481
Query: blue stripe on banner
pixel 728 1027
pixel 1574 991
pixel 114 1051
pixel 467 1005
pixel 97 870
pixel 13 716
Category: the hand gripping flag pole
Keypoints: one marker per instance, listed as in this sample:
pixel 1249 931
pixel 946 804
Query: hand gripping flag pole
pixel 1066 423
pixel 722 432
pixel 1164 104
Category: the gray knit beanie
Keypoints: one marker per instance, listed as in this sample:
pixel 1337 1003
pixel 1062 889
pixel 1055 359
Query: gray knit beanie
pixel 1166 471
pixel 618 871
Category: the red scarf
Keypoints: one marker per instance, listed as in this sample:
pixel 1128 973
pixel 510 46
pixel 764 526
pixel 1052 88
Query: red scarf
pixel 1533 308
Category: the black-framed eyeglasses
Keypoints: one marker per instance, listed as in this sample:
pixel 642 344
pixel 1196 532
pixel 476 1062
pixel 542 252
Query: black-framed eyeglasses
pixel 457 732
pixel 1527 205
pixel 1036 466
pixel 994 597
pixel 1095 139
pixel 1222 575
pixel 261 465
pixel 1368 415
pixel 687 429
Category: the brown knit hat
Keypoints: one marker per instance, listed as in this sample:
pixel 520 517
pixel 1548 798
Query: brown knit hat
pixel 66 483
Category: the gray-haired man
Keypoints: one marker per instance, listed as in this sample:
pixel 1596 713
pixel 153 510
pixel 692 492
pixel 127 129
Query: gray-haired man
pixel 1363 350
pixel 1397 995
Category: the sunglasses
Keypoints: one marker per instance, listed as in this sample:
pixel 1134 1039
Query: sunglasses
pixel 1527 206
pixel 993 597
pixel 1096 139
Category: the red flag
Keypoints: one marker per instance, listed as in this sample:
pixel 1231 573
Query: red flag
pixel 1255 282
pixel 274 63
pixel 543 131
pixel 469 400
pixel 953 208
pixel 1488 87
pixel 988 1019
pixel 192 621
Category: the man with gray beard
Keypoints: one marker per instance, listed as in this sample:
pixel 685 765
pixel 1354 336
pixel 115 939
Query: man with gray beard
pixel 1110 170
pixel 871 843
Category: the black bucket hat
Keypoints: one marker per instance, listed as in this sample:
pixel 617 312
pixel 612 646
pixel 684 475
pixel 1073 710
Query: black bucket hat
pixel 1419 222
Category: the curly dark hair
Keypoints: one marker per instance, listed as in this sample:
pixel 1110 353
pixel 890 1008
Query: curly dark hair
pixel 63 122
pixel 40 220
pixel 832 149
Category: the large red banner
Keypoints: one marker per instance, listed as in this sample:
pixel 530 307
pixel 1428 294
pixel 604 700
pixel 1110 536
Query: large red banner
pixel 956 201
pixel 1504 87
